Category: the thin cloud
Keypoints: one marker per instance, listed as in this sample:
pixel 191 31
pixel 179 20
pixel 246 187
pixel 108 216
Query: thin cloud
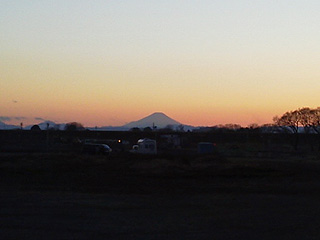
pixel 20 118
pixel 5 118
pixel 39 119
pixel 8 119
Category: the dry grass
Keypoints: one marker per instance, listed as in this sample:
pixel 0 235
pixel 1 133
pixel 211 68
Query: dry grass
pixel 102 174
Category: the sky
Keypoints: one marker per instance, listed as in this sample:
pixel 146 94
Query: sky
pixel 202 63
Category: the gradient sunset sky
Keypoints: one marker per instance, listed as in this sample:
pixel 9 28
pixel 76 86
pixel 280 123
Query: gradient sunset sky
pixel 202 63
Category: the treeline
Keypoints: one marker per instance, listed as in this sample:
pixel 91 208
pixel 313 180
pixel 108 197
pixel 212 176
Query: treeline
pixel 307 118
pixel 302 120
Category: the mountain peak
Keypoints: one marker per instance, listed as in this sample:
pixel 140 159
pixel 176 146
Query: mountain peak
pixel 158 119
pixel 158 114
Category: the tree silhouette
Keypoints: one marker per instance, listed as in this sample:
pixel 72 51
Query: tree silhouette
pixel 135 129
pixel 253 126
pixel 168 128
pixel 73 126
pixel 305 117
pixel 147 129
pixel 315 119
pixel 35 128
pixel 289 122
pixel 315 122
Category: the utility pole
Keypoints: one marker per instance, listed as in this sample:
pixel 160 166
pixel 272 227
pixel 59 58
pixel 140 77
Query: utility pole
pixel 47 142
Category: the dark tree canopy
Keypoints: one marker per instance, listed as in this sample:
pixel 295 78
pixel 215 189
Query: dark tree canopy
pixel 135 129
pixel 303 117
pixel 73 126
pixel 289 121
pixel 35 128
pixel 147 129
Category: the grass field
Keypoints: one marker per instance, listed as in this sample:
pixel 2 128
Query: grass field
pixel 71 196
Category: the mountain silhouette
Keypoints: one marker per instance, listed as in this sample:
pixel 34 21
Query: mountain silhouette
pixel 158 119
pixel 5 126
pixel 43 125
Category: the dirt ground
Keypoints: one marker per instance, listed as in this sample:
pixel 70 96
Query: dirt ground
pixel 56 196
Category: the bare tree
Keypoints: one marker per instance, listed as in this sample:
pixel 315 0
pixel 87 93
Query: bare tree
pixel 289 122
pixel 305 118
pixel 315 122
pixel 253 126
pixel 35 128
pixel 315 119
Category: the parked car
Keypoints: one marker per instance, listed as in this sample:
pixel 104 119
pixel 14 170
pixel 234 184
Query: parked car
pixel 96 148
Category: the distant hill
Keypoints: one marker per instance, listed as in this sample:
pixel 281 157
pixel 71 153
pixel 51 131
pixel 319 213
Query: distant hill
pixel 158 119
pixel 5 126
pixel 43 125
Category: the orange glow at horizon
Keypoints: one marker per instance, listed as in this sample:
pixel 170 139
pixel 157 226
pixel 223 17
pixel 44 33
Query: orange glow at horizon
pixel 120 62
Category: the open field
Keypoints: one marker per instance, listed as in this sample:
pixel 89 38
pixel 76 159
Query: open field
pixel 70 196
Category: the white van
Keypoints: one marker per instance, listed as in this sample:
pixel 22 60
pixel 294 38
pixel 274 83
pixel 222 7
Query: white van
pixel 145 146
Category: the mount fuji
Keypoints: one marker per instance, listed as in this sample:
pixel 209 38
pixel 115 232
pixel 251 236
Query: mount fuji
pixel 157 119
